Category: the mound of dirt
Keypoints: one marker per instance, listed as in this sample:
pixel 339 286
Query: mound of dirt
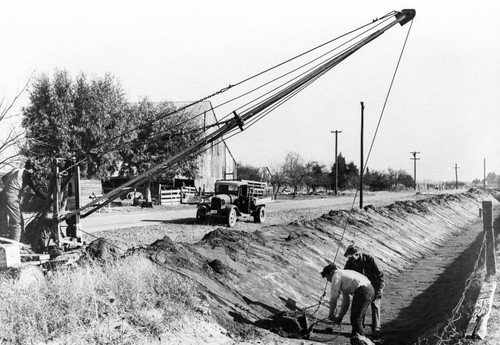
pixel 250 278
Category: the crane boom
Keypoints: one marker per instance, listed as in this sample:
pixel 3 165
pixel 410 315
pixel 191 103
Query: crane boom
pixel 237 121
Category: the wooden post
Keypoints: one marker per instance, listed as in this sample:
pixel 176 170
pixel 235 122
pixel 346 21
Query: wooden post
pixel 336 164
pixel 55 202
pixel 490 239
pixel 362 158
pixel 78 202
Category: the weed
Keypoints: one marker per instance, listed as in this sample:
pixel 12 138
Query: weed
pixel 129 301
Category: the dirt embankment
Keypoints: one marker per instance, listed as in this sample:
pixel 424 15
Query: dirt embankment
pixel 253 280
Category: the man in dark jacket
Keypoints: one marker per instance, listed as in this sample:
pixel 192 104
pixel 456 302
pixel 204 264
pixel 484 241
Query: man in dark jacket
pixel 366 265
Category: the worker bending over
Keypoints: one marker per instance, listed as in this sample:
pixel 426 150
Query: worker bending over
pixel 349 283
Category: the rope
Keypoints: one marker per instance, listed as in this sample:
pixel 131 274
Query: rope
pixel 375 134
pixel 373 140
pixel 387 96
pixel 383 18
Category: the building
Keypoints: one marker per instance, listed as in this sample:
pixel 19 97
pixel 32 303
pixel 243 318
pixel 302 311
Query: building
pixel 216 162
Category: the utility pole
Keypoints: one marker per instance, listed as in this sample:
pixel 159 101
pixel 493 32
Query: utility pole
pixel 456 176
pixel 361 165
pixel 484 173
pixel 415 159
pixel 336 164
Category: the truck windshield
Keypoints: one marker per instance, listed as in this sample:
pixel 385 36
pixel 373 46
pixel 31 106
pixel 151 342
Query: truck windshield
pixel 226 189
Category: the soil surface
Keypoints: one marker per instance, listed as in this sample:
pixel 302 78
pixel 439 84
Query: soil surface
pixel 257 280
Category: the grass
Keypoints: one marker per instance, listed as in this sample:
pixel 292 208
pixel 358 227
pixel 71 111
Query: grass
pixel 130 301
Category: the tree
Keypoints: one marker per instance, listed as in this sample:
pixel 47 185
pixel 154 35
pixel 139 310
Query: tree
pixel 348 173
pixel 161 132
pixel 316 177
pixel 75 121
pixel 90 123
pixel 248 172
pixel 491 178
pixel 477 182
pixel 11 137
pixel 391 180
pixel 277 179
pixel 405 179
pixel 295 171
pixel 376 181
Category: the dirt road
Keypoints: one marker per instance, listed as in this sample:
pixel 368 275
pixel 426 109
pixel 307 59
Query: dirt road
pixel 114 218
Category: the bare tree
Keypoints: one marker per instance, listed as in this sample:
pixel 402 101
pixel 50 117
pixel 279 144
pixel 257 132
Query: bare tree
pixel 277 178
pixel 12 136
pixel 296 171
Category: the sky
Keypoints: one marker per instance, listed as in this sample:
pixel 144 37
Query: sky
pixel 444 102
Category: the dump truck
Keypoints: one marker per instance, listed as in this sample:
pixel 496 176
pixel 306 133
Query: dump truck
pixel 234 199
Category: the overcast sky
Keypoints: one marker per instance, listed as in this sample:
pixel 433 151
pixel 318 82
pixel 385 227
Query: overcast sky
pixel 445 101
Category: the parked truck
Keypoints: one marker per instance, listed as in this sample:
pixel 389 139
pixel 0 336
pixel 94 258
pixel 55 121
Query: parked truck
pixel 234 199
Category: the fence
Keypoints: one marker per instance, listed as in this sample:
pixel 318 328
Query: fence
pixel 256 188
pixel 477 327
pixel 175 196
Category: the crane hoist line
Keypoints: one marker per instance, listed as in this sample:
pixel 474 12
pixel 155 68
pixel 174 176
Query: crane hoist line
pixel 237 121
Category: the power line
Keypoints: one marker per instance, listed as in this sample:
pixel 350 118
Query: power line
pixel 380 21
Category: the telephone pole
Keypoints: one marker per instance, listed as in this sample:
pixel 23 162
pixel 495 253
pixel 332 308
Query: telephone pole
pixel 415 159
pixel 336 165
pixel 484 173
pixel 456 176
pixel 361 165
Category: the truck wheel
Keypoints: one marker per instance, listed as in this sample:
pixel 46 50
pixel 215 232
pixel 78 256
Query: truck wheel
pixel 201 216
pixel 260 215
pixel 231 218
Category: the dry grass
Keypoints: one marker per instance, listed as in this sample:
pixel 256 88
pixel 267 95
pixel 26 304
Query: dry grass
pixel 131 301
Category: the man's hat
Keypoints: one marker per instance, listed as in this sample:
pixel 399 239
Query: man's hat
pixel 328 269
pixel 29 165
pixel 351 250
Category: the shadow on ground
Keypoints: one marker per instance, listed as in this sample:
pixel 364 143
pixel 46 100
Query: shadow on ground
pixel 431 310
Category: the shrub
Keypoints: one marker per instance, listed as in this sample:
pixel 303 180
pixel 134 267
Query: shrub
pixel 130 301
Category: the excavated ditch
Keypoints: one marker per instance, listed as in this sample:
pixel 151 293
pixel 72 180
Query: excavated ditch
pixel 266 278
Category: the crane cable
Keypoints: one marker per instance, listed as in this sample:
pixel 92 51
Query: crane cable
pixel 382 19
pixel 319 303
pixel 375 134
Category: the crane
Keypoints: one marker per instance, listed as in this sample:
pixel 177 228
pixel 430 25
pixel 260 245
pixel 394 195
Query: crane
pixel 237 121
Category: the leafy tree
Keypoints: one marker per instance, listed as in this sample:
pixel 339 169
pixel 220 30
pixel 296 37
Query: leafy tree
pixel 377 181
pixel 491 178
pixel 405 179
pixel 391 180
pixel 161 133
pixel 90 123
pixel 348 173
pixel 477 182
pixel 72 121
pixel 248 172
pixel 316 177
